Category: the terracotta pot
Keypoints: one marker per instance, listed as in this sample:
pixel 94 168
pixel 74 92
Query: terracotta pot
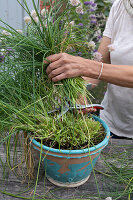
pixel 71 168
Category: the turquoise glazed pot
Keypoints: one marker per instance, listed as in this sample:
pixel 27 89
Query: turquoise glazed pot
pixel 71 168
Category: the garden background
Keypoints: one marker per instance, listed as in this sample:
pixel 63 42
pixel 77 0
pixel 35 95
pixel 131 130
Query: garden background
pixel 121 172
pixel 15 19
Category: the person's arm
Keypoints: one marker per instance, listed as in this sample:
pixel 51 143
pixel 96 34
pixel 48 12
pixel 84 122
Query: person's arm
pixel 67 66
pixel 103 50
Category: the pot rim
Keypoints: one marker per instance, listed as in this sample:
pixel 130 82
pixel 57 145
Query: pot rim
pixel 97 147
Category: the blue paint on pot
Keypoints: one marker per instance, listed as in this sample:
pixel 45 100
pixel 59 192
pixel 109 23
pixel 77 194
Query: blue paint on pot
pixel 77 172
pixel 71 166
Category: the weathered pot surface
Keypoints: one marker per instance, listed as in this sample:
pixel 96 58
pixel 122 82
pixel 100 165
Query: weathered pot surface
pixel 70 168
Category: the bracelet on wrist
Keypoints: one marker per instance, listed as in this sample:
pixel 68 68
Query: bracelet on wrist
pixel 99 76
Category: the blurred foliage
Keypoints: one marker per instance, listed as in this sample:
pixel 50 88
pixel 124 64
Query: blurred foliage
pixel 98 92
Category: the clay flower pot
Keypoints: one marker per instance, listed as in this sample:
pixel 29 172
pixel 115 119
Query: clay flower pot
pixel 70 168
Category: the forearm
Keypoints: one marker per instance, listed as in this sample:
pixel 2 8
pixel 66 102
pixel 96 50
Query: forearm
pixel 105 58
pixel 121 75
pixel 103 49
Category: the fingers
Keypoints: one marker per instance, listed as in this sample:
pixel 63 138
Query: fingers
pixel 63 66
pixel 87 110
pixel 53 66
pixel 62 73
pixel 56 72
pixel 57 69
pixel 53 58
pixel 59 77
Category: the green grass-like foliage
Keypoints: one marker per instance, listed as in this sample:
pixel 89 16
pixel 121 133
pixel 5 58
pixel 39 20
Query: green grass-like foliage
pixel 26 93
pixel 69 132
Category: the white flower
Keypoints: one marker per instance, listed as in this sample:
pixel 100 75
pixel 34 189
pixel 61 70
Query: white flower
pixel 33 14
pixel 97 56
pixel 66 25
pixel 6 33
pixel 43 12
pixel 112 47
pixel 91 45
pixel 107 1
pixel 19 31
pixel 3 52
pixel 74 2
pixel 41 29
pixel 97 33
pixel 72 35
pixel 79 10
pixel 72 23
pixel 69 48
pixel 27 19
pixel 36 19
pixel 2 39
pixel 109 198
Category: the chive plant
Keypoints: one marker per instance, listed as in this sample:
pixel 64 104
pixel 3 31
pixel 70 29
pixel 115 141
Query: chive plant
pixel 26 93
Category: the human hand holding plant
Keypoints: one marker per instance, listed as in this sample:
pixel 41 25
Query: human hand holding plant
pixel 34 95
pixel 64 66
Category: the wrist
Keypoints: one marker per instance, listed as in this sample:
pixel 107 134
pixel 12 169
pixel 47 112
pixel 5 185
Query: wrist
pixel 93 69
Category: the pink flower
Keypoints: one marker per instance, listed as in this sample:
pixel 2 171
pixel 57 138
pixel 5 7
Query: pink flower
pixel 92 45
pixel 79 10
pixel 109 198
pixel 19 31
pixel 36 19
pixel 33 14
pixel 6 33
pixel 72 23
pixel 74 2
pixel 27 19
pixel 97 56
pixel 43 12
pixel 111 47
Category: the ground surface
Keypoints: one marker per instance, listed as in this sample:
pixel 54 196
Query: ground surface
pixel 118 154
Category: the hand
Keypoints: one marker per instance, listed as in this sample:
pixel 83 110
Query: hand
pixel 83 101
pixel 63 66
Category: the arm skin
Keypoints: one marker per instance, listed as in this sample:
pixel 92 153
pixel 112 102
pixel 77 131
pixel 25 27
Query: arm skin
pixel 103 50
pixel 66 66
